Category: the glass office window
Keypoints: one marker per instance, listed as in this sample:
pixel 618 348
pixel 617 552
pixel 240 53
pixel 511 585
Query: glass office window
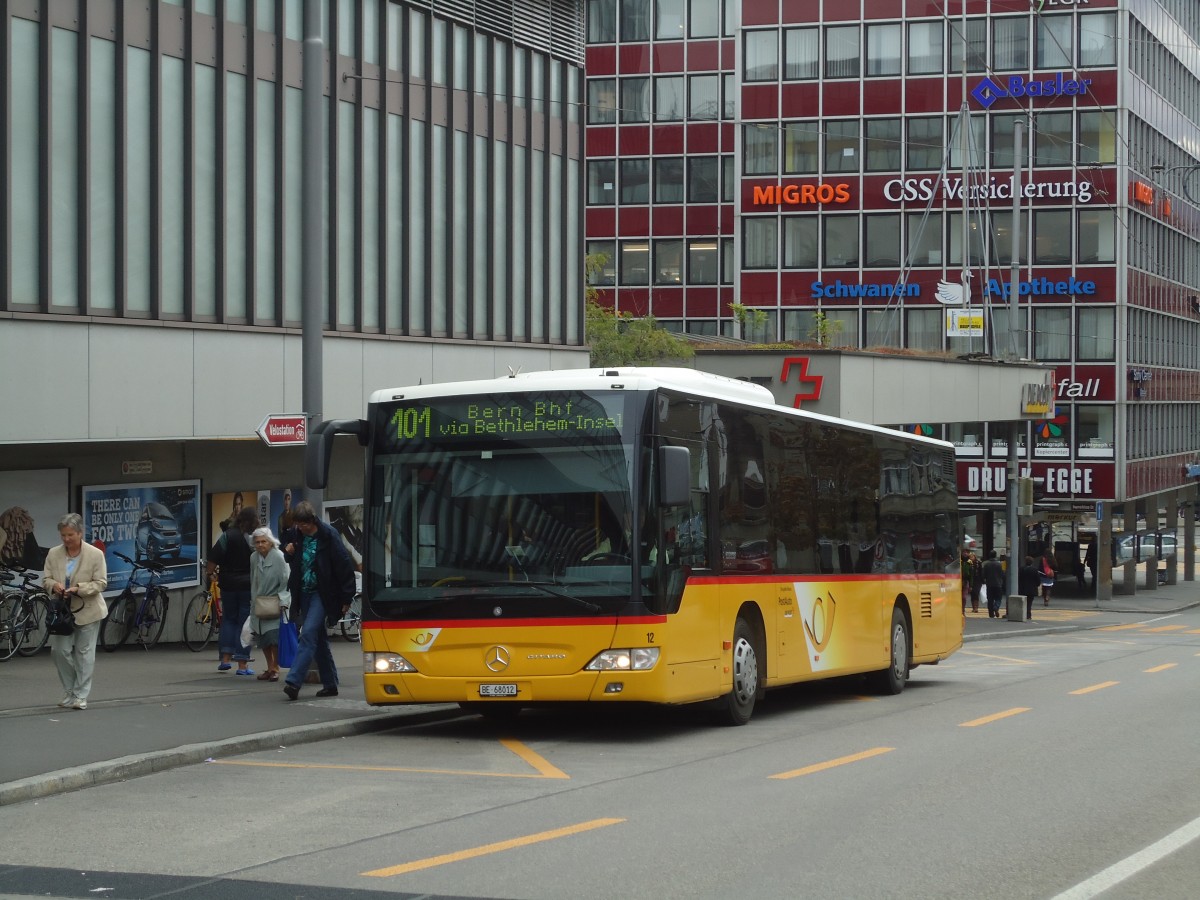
pixel 881 327
pixel 1095 432
pixel 602 101
pixel 1052 139
pixel 759 149
pixel 1097 137
pixel 830 327
pixel 760 242
pixel 601 180
pixel 883 49
pixel 635 181
pixel 976 46
pixel 601 22
pixel 635 262
pixel 635 99
pixel 25 161
pixel 1001 239
pixel 204 195
pixel 1052 237
pixel 171 222
pixel 1097 236
pixel 63 152
pixel 703 184
pixel 882 240
pixel 761 56
pixel 704 18
pixel 843 55
pixel 801 148
pixel 882 142
pixel 976 141
pixel 924 329
pixel 926 48
pixel 704 96
pixel 635 20
pixel 1002 139
pixel 729 179
pixel 668 262
pixel 668 98
pixel 924 236
pixel 602 263
pixel 841 241
pixel 1097 333
pixel 668 179
pixel 1010 44
pixel 800 242
pixel 1055 47
pixel 668 24
pixel 101 178
pixel 728 269
pixel 841 145
pixel 702 261
pixel 801 53
pixel 954 231
pixel 1052 334
pixel 729 95
pixel 1097 39
pixel 926 143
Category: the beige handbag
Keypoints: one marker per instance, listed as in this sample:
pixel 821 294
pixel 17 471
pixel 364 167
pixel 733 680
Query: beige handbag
pixel 267 607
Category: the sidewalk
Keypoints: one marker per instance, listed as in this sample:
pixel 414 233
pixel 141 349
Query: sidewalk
pixel 156 709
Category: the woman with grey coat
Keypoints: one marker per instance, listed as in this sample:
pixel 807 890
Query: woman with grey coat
pixel 268 576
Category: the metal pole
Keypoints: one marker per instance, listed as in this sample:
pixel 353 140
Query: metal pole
pixel 964 139
pixel 312 219
pixel 1014 524
pixel 1014 294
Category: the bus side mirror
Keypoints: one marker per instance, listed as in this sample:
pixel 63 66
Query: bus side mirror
pixel 674 476
pixel 319 450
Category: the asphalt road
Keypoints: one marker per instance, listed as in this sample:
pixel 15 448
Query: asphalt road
pixel 1048 765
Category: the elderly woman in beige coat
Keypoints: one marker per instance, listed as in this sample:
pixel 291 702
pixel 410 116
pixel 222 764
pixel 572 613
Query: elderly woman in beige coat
pixel 77 573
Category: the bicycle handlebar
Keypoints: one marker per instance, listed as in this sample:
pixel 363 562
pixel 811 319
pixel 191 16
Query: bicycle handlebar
pixel 150 564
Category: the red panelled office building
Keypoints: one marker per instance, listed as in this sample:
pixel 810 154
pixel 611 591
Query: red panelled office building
pixel 796 169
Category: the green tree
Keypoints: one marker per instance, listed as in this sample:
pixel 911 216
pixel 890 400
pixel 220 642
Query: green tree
pixel 619 339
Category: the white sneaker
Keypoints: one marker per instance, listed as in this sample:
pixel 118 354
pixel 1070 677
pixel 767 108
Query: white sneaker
pixel 67 701
pixel 79 704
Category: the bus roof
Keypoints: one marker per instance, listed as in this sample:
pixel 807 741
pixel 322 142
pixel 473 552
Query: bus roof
pixel 635 378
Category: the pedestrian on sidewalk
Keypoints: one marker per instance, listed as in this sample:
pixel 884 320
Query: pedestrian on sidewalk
pixel 993 581
pixel 1029 581
pixel 230 559
pixel 976 580
pixel 322 580
pixel 77 573
pixel 1049 574
pixel 268 578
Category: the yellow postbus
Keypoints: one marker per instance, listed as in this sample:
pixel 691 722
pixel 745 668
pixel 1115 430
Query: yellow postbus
pixel 642 534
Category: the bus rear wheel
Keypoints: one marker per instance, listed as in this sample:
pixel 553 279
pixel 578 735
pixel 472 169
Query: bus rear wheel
pixel 892 679
pixel 737 706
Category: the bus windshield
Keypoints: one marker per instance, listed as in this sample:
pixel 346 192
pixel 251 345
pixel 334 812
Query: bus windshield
pixel 522 503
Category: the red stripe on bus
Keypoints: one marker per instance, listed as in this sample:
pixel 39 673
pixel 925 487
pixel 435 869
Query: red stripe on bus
pixel 812 579
pixel 608 622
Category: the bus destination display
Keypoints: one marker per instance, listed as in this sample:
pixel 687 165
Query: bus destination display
pixel 560 415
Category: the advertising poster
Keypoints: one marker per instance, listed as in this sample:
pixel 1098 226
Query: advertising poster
pixel 346 517
pixel 274 508
pixel 31 503
pixel 157 522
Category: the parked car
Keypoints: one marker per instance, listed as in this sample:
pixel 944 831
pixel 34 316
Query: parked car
pixel 1124 546
pixel 157 533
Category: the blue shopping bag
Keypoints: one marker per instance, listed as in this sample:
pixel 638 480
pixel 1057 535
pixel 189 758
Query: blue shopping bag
pixel 289 638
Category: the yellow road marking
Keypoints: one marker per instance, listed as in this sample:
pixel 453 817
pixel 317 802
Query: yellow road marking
pixel 1011 659
pixel 543 768
pixel 1095 687
pixel 840 761
pixel 1121 627
pixel 1016 710
pixel 1166 628
pixel 1161 668
pixel 487 849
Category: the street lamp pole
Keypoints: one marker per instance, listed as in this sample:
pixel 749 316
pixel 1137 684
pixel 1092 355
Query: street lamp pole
pixel 1188 172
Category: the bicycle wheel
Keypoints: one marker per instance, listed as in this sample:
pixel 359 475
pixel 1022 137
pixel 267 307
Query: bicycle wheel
pixel 154 618
pixel 199 625
pixel 115 627
pixel 352 621
pixel 9 604
pixel 35 633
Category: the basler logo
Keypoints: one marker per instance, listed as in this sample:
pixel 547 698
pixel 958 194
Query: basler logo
pixel 988 91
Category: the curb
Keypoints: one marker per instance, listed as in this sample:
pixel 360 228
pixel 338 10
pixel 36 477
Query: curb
pixel 134 766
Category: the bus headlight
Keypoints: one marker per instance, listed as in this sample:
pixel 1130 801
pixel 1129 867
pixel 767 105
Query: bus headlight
pixel 380 663
pixel 633 659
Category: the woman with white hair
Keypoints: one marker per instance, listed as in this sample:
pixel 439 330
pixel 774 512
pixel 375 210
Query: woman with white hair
pixel 77 574
pixel 268 577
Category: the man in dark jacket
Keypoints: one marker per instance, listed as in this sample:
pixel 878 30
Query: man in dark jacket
pixel 993 581
pixel 322 582
pixel 1029 582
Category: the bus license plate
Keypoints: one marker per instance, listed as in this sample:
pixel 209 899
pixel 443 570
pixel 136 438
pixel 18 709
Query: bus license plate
pixel 497 690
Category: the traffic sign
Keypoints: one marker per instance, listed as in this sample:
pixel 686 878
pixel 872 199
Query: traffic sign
pixel 283 430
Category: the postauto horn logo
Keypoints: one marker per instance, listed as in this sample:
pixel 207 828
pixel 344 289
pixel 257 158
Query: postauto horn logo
pixel 988 91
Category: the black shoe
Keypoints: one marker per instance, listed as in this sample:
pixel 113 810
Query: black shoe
pixel 292 691
pixel 327 692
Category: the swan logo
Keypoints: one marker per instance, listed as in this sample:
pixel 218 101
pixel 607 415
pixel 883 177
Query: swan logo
pixel 951 294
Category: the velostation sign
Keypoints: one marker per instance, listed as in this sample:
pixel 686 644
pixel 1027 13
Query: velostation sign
pixel 284 430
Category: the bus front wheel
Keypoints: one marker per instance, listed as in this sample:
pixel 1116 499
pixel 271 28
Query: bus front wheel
pixel 892 679
pixel 738 705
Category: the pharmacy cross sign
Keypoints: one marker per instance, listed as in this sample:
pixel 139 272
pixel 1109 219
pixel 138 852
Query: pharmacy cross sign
pixel 283 430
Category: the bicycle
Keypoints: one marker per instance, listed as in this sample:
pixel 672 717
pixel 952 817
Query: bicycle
pixel 146 614
pixel 22 614
pixel 202 618
pixel 351 621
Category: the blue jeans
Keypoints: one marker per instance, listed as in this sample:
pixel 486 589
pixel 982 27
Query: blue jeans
pixel 235 607
pixel 313 644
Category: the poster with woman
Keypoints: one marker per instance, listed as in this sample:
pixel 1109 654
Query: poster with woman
pixel 31 503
